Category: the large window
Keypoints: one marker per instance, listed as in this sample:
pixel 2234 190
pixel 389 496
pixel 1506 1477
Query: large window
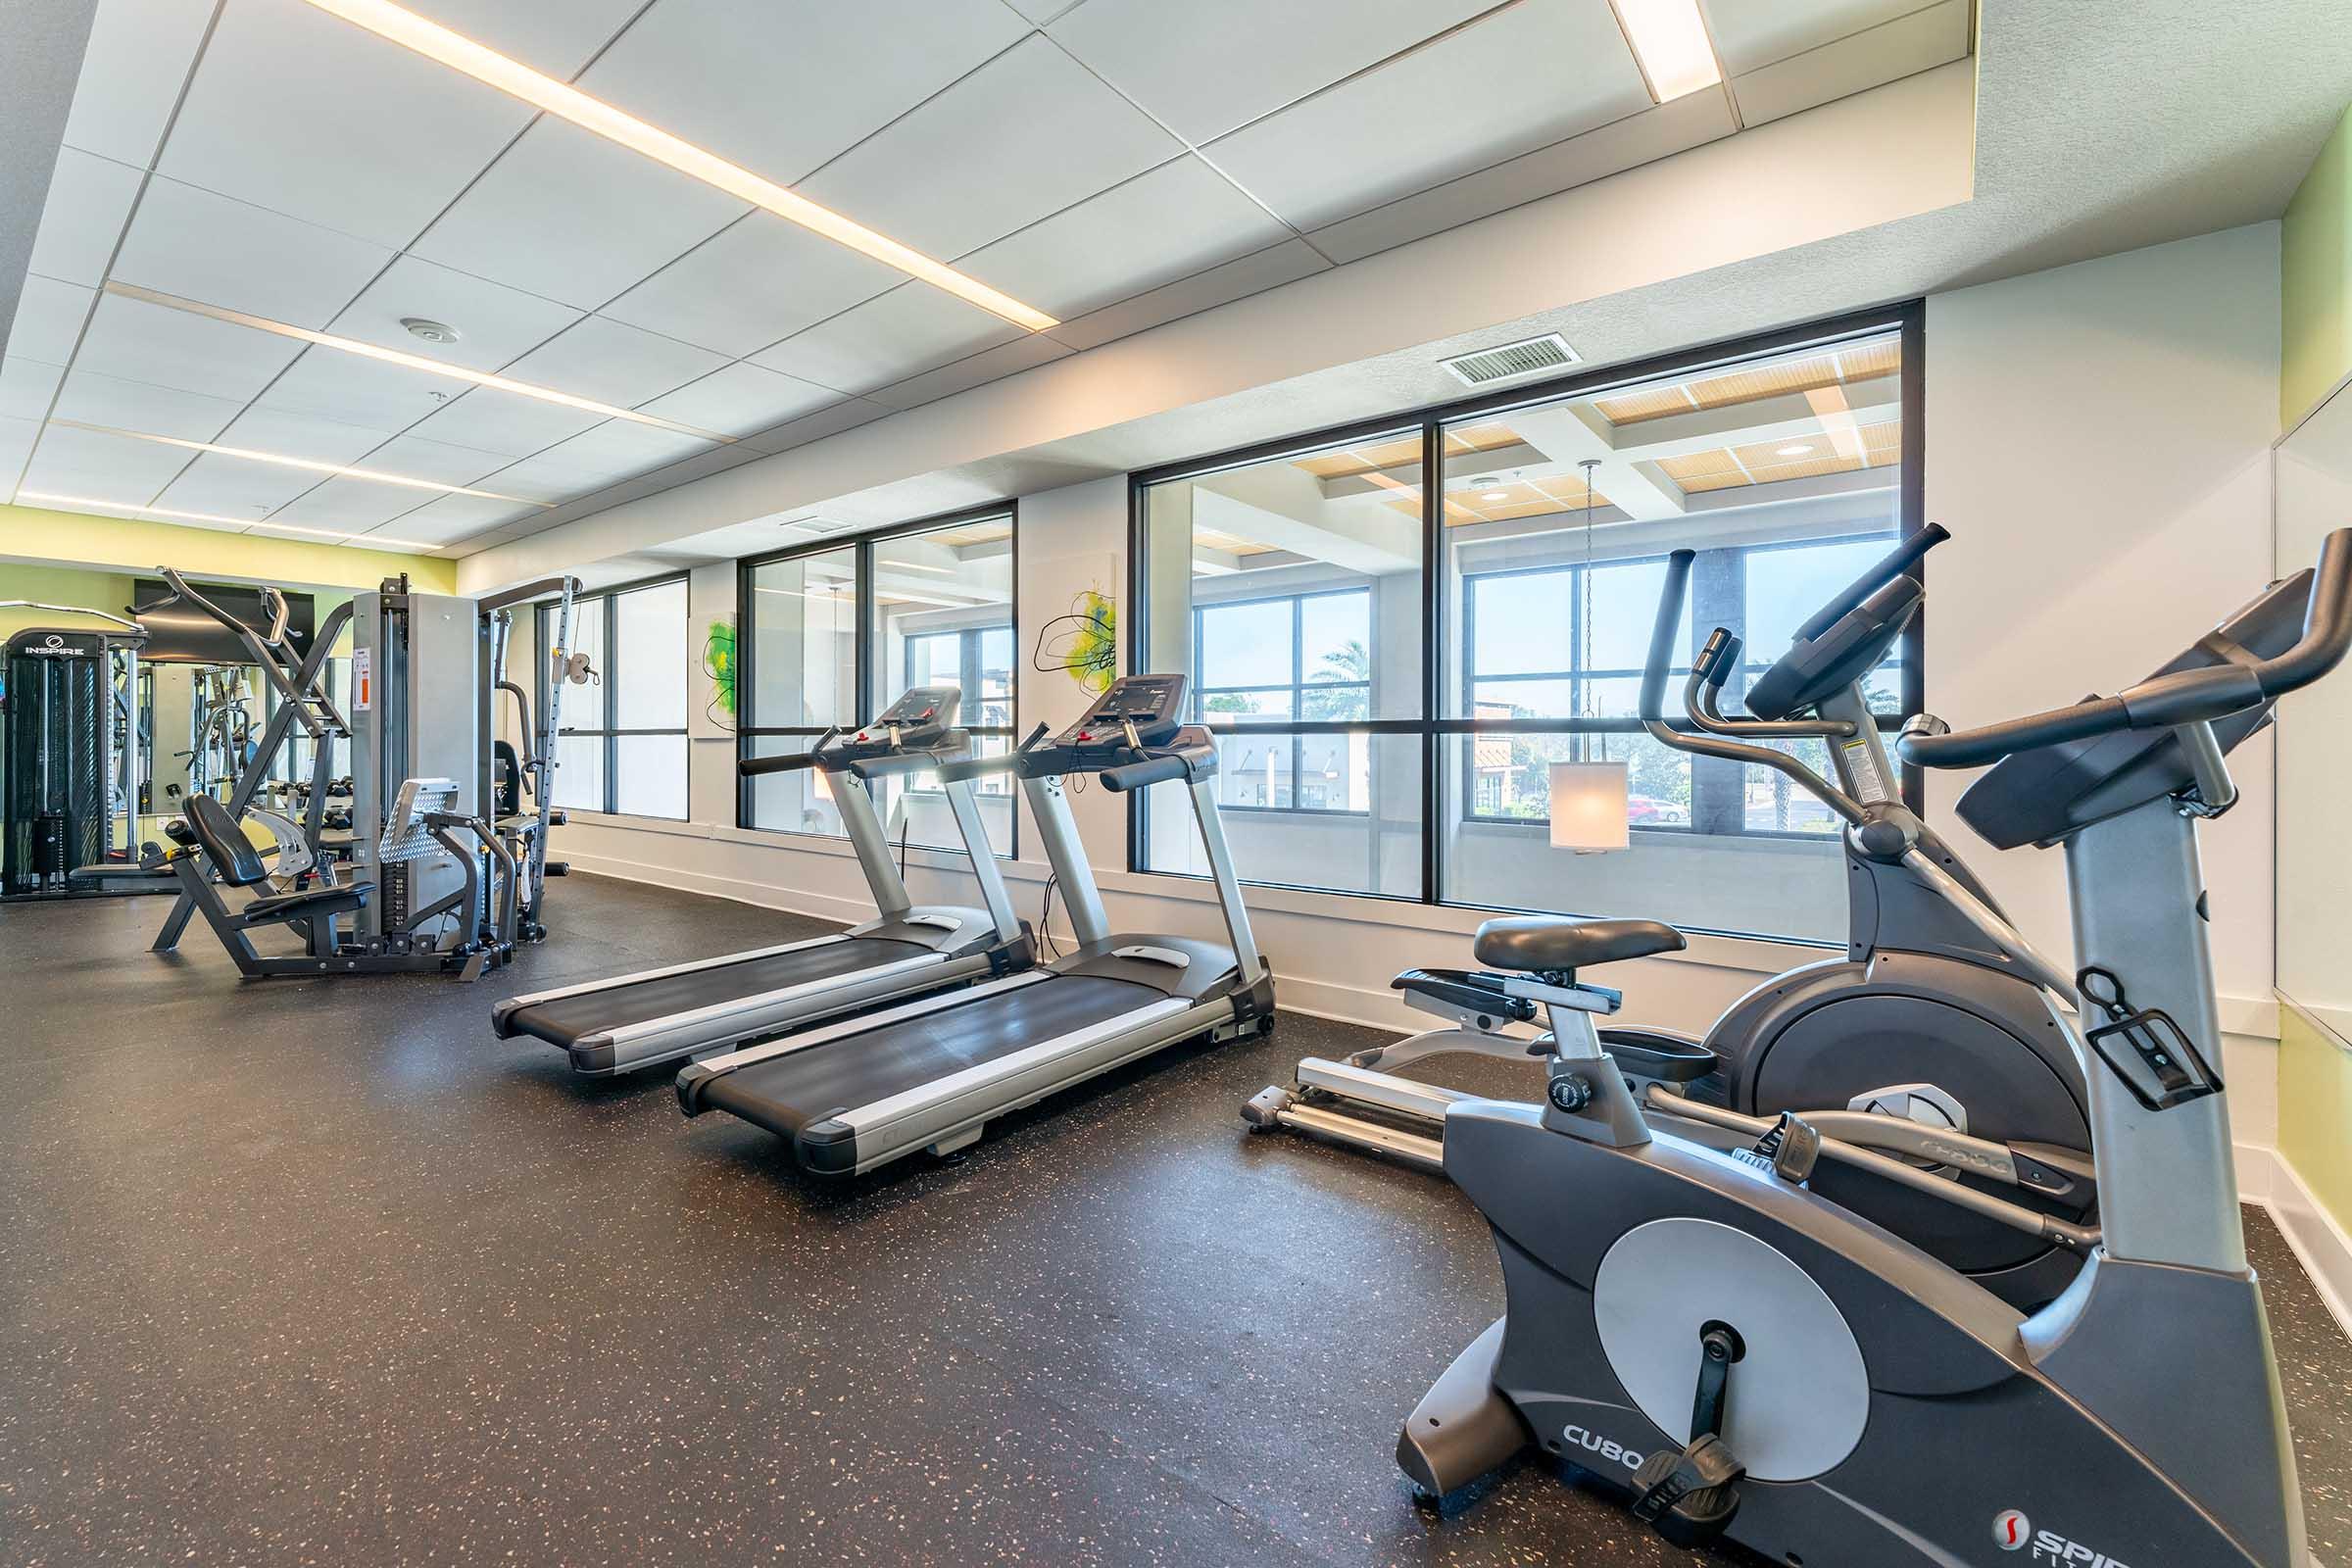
pixel 1394 668
pixel 621 742
pixel 834 633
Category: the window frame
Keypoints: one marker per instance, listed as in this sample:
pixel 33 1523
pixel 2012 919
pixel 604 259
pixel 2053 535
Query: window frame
pixel 1906 319
pixel 1299 686
pixel 865 654
pixel 608 691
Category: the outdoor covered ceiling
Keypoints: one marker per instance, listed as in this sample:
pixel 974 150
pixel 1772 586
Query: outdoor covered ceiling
pixel 241 181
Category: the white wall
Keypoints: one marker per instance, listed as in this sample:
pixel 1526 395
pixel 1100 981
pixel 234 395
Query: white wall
pixel 2097 442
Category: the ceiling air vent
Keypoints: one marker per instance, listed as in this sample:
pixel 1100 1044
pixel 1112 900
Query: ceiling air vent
pixel 1508 362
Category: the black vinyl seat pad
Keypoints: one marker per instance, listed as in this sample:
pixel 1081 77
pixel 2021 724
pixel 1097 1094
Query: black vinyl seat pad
pixel 567 1020
pixel 784 1094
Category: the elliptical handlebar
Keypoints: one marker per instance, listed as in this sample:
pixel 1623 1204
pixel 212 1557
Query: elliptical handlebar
pixel 1892 565
pixel 1662 636
pixel 2199 696
pixel 280 612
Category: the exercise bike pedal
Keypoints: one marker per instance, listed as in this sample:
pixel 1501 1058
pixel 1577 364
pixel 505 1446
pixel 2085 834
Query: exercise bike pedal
pixel 1789 1151
pixel 1690 1496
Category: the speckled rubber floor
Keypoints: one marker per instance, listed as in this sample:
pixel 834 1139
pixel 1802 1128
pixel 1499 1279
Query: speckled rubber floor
pixel 321 1273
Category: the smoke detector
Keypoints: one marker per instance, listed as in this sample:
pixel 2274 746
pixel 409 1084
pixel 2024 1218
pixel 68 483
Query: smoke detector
pixel 1511 361
pixel 430 331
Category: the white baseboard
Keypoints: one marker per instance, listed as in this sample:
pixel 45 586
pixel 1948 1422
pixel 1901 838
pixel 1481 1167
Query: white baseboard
pixel 736 890
pixel 2318 1238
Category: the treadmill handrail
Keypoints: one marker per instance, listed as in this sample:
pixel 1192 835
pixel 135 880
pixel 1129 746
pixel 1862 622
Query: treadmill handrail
pixel 790 761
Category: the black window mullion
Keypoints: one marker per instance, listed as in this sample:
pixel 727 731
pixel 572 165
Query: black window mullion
pixel 1433 659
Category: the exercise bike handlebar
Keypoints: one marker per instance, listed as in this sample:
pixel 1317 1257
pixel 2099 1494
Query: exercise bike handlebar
pixel 2199 696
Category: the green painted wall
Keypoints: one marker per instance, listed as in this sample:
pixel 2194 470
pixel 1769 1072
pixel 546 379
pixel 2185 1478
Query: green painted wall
pixel 58 585
pixel 35 536
pixel 2315 1109
pixel 2315 277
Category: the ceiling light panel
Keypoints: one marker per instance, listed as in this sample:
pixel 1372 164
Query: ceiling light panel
pixel 510 76
pixel 415 362
pixel 280 459
pixel 1669 39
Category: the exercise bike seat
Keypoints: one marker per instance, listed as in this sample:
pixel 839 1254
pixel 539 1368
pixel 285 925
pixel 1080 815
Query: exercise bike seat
pixel 1552 943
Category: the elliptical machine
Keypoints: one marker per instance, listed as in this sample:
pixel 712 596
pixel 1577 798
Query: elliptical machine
pixel 1929 1040
pixel 1747 1360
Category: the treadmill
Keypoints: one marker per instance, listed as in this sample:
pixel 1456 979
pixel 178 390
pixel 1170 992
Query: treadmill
pixel 639 1020
pixel 852 1096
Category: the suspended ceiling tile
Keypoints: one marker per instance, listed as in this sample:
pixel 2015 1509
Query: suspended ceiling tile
pixel 296 434
pixel 310 116
pixel 1025 135
pixel 1419 122
pixel 1209 66
pixel 1170 223
pixel 1271 268
pixel 990 364
pixel 847 415
pixel 1751 34
pixel 546 478
pixel 912 328
pixel 361 391
pixel 1689 122
pixel 505 423
pixel 138 56
pixel 351 504
pixel 421 459
pixel 759 281
pixel 135 341
pixel 574 217
pixel 89 199
pixel 495 325
pixel 617 449
pixel 613 363
pixel 1919 41
pixel 793 85
pixel 98 466
pixel 49 318
pixel 227 487
pixel 16 445
pixel 136 406
pixel 209 248
pixel 741 399
pixel 451 518
pixel 27 386
pixel 555 38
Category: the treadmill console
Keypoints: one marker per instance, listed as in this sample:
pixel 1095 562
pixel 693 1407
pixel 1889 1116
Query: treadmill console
pixel 922 718
pixel 1152 704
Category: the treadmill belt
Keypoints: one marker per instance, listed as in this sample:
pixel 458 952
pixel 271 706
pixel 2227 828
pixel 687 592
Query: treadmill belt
pixel 565 1020
pixel 785 1094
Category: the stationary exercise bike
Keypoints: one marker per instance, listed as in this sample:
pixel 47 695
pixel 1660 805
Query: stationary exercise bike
pixel 1929 1040
pixel 1746 1360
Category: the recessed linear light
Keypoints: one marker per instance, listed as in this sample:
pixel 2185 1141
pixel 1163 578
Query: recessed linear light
pixel 1670 42
pixel 916 565
pixel 212 517
pixel 413 362
pixel 1796 449
pixel 487 66
pixel 341 470
pixel 1495 494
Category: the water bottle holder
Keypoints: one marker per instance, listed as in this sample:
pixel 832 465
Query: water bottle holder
pixel 2154 1057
